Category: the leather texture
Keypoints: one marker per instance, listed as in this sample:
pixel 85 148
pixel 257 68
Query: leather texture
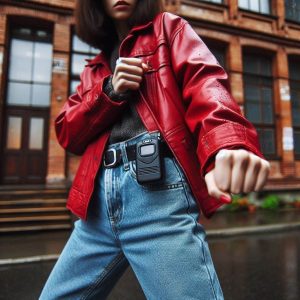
pixel 185 94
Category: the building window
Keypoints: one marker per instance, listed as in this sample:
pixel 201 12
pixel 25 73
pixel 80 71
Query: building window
pixel 258 91
pixel 260 6
pixel 80 52
pixel 294 70
pixel 30 69
pixel 292 10
pixel 214 1
pixel 220 54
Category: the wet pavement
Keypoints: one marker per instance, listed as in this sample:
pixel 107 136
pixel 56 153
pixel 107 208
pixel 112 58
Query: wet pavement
pixel 264 267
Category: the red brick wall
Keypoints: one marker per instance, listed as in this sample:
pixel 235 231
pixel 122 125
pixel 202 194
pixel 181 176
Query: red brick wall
pixel 226 23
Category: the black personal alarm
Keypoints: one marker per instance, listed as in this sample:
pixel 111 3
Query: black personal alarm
pixel 148 160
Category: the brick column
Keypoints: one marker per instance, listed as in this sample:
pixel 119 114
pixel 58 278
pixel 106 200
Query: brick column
pixel 284 109
pixel 233 9
pixel 235 69
pixel 278 7
pixel 60 82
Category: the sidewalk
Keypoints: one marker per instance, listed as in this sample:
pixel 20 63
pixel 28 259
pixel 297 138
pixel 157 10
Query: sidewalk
pixel 46 246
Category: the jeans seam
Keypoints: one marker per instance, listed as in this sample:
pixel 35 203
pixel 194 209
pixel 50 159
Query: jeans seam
pixel 201 241
pixel 102 275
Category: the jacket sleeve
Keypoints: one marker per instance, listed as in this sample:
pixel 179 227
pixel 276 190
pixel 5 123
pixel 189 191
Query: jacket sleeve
pixel 212 115
pixel 85 115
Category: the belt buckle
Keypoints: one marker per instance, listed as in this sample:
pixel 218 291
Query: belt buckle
pixel 114 151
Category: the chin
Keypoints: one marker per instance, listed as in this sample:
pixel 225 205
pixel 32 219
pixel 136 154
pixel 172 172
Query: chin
pixel 122 16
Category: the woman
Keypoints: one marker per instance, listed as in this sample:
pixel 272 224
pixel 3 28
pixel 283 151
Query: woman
pixel 152 118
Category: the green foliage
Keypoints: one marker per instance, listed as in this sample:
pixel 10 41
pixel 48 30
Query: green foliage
pixel 271 202
pixel 238 203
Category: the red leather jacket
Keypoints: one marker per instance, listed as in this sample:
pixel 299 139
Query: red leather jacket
pixel 185 95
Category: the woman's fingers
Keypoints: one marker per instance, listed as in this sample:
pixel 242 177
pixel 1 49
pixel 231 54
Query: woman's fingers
pixel 214 190
pixel 239 167
pixel 251 173
pixel 128 74
pixel 236 171
pixel 262 175
pixel 222 172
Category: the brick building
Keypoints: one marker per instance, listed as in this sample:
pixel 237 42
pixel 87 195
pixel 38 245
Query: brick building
pixel 257 42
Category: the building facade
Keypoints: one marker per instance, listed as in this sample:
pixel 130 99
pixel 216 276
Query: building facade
pixel 257 42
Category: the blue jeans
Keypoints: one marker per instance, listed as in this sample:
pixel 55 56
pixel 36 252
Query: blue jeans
pixel 152 227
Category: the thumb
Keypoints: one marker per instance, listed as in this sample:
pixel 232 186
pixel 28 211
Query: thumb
pixel 145 67
pixel 213 189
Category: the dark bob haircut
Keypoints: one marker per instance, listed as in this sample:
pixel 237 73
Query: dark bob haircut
pixel 97 29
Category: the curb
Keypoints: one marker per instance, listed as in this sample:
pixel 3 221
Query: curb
pixel 217 233
pixel 31 259
pixel 249 230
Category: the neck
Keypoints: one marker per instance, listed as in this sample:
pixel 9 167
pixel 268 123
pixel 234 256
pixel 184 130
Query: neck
pixel 122 29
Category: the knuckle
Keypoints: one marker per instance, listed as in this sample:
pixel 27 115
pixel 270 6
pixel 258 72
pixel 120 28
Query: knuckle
pixel 213 192
pixel 235 190
pixel 266 165
pixel 223 155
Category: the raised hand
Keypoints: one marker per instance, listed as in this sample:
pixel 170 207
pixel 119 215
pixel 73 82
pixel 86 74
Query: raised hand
pixel 128 74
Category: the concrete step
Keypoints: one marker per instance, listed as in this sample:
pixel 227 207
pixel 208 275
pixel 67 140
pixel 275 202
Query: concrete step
pixel 33 194
pixel 33 209
pixel 35 228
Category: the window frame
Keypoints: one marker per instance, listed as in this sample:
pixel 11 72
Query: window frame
pixel 260 77
pixel 270 13
pixel 76 77
pixel 18 24
pixel 292 61
pixel 296 8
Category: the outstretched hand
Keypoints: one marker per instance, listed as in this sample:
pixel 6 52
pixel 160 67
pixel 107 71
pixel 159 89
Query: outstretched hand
pixel 236 171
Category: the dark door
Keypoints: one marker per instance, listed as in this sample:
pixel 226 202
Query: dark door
pixel 26 113
pixel 25 151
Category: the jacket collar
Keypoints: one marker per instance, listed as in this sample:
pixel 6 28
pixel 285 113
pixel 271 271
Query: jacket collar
pixel 101 58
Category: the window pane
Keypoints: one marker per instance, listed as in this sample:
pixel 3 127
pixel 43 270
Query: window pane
pixel 243 4
pixel 252 93
pixel 268 141
pixel 42 62
pixel 20 67
pixel 266 66
pixel 296 107
pixel 292 10
pixel 74 84
pixel 254 5
pixel 79 45
pixel 251 64
pixel 268 114
pixel 297 142
pixel 265 6
pixel 18 93
pixel 253 112
pixel 14 133
pixel 36 133
pixel 78 63
pixel 219 53
pixel 94 50
pixel 294 70
pixel 41 95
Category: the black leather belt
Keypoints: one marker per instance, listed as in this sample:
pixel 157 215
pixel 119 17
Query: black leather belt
pixel 113 157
